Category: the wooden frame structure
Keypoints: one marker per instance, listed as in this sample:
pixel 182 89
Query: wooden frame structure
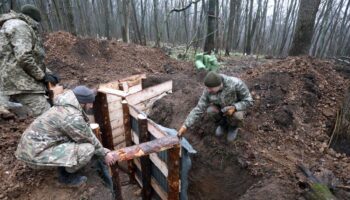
pixel 119 110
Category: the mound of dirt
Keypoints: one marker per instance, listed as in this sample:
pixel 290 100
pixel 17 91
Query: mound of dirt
pixel 91 62
pixel 296 100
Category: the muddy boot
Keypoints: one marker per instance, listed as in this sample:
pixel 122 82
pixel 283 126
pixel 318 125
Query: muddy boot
pixel 232 133
pixel 70 179
pixel 220 131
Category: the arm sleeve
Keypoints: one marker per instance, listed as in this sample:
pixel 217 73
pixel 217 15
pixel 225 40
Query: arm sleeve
pixel 79 131
pixel 196 112
pixel 22 42
pixel 244 96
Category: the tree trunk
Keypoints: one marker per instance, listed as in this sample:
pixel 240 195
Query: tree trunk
pixel 134 11
pixel 230 27
pixel 167 21
pixel 106 19
pixel 236 34
pixel 59 16
pixel 143 14
pixel 125 27
pixel 304 28
pixel 46 20
pixel 217 33
pixel 155 8
pixel 209 41
pixel 342 33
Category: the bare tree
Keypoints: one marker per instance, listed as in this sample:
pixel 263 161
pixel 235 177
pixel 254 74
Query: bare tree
pixel 209 41
pixel 155 8
pixel 304 28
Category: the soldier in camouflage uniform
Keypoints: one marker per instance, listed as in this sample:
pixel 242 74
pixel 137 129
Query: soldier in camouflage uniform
pixel 22 69
pixel 225 99
pixel 61 137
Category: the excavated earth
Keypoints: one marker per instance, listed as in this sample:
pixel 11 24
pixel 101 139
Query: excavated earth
pixel 291 122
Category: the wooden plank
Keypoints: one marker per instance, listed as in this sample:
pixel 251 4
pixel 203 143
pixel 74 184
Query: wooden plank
pixel 135 88
pixel 145 161
pixel 159 190
pixel 112 84
pixel 133 111
pixel 128 140
pixel 118 139
pixel 116 124
pixel 147 104
pixel 102 118
pixel 132 79
pixel 174 173
pixel 118 131
pixel 115 105
pixel 161 165
pixel 154 130
pixel 155 185
pixel 111 98
pixel 149 93
pixel 116 115
pixel 118 93
pixel 135 138
pixel 120 146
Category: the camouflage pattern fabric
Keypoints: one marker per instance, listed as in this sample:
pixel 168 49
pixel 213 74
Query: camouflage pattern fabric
pixel 55 138
pixel 36 103
pixel 22 55
pixel 234 93
pixel 235 120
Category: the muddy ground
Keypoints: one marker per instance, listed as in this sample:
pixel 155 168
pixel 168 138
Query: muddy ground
pixel 296 100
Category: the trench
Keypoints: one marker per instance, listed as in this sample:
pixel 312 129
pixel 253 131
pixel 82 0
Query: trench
pixel 216 172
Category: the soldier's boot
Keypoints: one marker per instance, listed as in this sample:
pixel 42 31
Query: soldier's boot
pixel 232 133
pixel 220 131
pixel 70 179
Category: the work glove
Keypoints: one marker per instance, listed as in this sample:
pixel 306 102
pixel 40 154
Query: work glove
pixel 51 78
pixel 181 131
pixel 228 110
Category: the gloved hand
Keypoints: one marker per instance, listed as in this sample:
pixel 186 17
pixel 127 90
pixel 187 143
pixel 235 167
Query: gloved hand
pixel 228 110
pixel 181 131
pixel 52 78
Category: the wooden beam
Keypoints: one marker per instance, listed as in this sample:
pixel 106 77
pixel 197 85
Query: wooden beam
pixel 157 188
pixel 118 93
pixel 128 141
pixel 145 161
pixel 174 173
pixel 102 118
pixel 149 93
pixel 147 148
pixel 133 80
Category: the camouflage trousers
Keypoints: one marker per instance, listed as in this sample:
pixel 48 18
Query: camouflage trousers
pixel 236 120
pixel 82 155
pixel 36 104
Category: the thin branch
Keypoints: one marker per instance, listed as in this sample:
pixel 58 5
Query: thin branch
pixel 182 9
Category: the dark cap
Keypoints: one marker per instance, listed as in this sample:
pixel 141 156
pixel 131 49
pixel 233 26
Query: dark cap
pixel 32 12
pixel 212 79
pixel 84 94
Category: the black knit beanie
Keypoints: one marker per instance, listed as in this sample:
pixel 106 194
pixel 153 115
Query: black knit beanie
pixel 84 94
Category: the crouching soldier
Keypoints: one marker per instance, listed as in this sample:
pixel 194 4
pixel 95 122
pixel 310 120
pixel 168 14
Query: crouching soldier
pixel 61 137
pixel 225 100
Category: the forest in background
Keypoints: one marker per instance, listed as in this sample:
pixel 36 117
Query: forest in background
pixel 248 26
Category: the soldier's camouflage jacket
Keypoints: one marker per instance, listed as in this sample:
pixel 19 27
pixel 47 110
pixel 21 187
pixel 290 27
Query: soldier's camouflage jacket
pixel 21 55
pixel 48 140
pixel 234 93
